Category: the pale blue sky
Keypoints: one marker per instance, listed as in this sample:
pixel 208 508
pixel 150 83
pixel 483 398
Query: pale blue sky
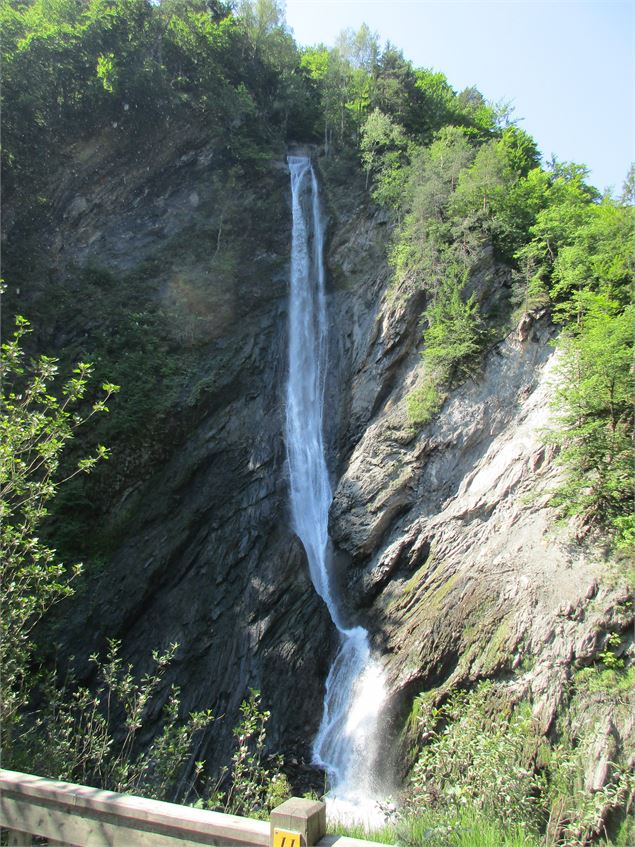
pixel 567 67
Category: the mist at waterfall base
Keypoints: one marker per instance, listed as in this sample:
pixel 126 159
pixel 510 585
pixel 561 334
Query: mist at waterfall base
pixel 346 744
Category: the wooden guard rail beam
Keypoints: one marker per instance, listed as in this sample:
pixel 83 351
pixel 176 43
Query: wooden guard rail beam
pixel 70 815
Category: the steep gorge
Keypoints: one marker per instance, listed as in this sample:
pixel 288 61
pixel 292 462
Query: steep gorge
pixel 446 547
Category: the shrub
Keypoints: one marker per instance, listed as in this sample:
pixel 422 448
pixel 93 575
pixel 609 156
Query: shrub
pixel 65 731
pixel 256 782
pixel 92 737
pixel 475 757
pixel 424 402
pixel 37 422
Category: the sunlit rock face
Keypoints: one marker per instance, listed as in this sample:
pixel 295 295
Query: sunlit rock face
pixel 448 547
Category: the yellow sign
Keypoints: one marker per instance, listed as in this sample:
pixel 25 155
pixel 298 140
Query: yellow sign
pixel 282 838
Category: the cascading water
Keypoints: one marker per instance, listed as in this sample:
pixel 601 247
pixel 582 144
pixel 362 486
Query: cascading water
pixel 346 743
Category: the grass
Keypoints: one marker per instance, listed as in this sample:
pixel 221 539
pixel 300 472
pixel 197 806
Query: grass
pixel 423 403
pixel 386 834
pixel 467 827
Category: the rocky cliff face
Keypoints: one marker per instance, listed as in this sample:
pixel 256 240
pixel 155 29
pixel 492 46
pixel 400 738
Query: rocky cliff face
pixel 444 541
pixel 198 546
pixel 448 545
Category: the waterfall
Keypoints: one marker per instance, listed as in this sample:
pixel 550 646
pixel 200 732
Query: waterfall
pixel 346 743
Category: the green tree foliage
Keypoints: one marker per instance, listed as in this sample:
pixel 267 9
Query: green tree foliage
pixel 479 185
pixel 599 258
pixel 476 114
pixel 481 190
pixel 256 782
pixel 398 92
pixel 499 195
pixel 36 423
pixel 92 737
pixel 579 258
pixel 628 188
pixel 476 755
pixel 594 407
pixel 356 78
pixel 271 67
pixel 486 776
pixel 439 103
pixel 58 730
pixel 422 243
pixel 456 334
pixel 72 67
pixel 382 145
pixel 455 338
pixel 521 151
pixel 342 86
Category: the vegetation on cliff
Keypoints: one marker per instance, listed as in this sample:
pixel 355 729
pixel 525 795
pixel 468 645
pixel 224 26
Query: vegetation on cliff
pixel 460 181
pixel 459 174
pixel 57 727
pixel 567 249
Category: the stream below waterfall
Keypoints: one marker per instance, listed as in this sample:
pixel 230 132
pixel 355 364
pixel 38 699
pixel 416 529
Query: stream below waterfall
pixel 346 745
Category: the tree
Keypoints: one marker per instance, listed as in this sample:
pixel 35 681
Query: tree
pixel 474 112
pixel 92 737
pixel 382 145
pixel 521 150
pixel 456 334
pixel 260 18
pixel 398 93
pixel 35 428
pixel 257 784
pixel 594 413
pixel 359 48
pixel 628 188
pixel 481 186
pixel 72 733
pixel 560 203
pixel 439 102
pixel 423 249
pixel 598 258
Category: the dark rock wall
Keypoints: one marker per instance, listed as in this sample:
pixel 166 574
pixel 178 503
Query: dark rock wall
pixel 201 549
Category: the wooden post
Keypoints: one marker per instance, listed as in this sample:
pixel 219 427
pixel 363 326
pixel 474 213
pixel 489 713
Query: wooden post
pixel 298 823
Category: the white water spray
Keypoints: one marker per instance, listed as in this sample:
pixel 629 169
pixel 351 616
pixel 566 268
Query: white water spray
pixel 347 741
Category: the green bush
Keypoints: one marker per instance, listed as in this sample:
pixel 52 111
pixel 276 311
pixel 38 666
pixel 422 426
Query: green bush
pixel 594 416
pixel 91 737
pixel 61 730
pixel 486 776
pixel 456 335
pixel 424 402
pixel 38 420
pixel 256 784
pixel 476 755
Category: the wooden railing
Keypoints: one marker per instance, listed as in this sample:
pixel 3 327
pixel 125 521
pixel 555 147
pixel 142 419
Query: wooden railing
pixel 70 815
